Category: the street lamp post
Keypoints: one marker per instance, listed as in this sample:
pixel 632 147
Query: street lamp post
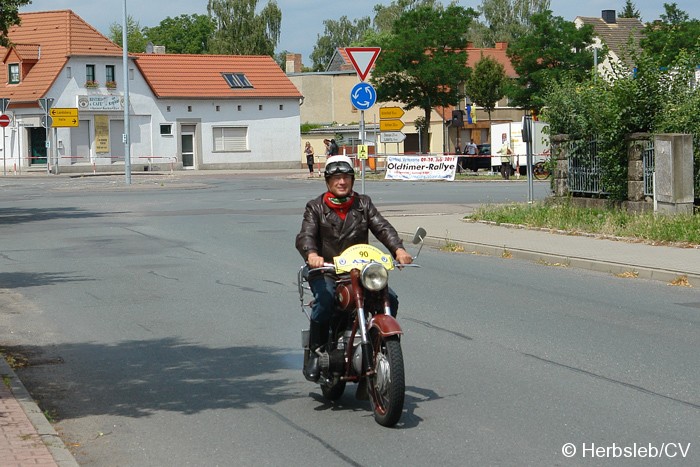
pixel 125 136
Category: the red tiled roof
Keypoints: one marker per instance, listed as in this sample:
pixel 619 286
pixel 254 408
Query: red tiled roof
pixel 174 76
pixel 497 53
pixel 49 39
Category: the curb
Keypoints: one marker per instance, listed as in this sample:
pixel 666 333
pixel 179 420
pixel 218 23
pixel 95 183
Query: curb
pixel 60 453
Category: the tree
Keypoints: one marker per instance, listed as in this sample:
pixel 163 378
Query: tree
pixel 629 11
pixel 385 16
pixel 553 49
pixel 185 34
pixel 9 16
pixel 504 20
pixel 340 33
pixel 487 83
pixel 242 31
pixel 135 39
pixel 423 60
pixel 673 33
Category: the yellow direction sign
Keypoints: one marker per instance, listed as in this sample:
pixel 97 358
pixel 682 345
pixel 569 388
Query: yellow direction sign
pixel 390 112
pixel 64 121
pixel 63 112
pixel 390 125
pixel 362 152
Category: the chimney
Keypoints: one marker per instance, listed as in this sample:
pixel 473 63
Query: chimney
pixel 609 16
pixel 292 63
pixel 158 49
pixel 501 45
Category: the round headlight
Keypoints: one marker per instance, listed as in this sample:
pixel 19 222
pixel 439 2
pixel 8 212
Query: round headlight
pixel 374 277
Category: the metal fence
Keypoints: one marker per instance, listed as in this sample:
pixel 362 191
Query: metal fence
pixel 584 168
pixel 648 160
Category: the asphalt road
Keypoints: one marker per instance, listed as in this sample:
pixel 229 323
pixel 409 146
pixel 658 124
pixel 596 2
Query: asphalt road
pixel 161 324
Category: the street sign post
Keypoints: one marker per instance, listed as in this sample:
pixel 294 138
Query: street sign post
pixel 362 59
pixel 390 125
pixel 4 104
pixel 63 121
pixel 4 121
pixel 64 112
pixel 390 112
pixel 363 96
pixel 393 137
pixel 46 103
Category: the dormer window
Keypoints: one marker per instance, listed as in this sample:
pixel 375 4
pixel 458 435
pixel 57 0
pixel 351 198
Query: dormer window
pixel 13 73
pixel 237 80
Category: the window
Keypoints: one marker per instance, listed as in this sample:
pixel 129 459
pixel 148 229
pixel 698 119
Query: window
pixel 228 139
pixel 237 80
pixel 13 73
pixel 90 73
pixel 166 129
pixel 109 74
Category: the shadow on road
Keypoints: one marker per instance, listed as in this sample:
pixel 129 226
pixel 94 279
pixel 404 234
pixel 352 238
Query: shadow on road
pixel 139 378
pixel 10 216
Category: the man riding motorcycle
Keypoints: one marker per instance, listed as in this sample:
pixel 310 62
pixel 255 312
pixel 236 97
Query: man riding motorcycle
pixel 334 221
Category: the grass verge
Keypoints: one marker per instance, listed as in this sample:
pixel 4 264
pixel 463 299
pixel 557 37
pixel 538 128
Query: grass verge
pixel 648 227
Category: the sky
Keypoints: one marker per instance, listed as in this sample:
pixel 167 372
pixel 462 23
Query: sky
pixel 302 20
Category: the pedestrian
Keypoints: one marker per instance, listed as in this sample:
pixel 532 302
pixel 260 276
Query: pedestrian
pixel 332 222
pixel 334 149
pixel 506 153
pixel 309 151
pixel 470 149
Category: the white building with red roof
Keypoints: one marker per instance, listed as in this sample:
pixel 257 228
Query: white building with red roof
pixel 185 111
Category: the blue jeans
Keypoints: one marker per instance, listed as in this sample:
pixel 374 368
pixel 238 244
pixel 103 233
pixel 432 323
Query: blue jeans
pixel 323 288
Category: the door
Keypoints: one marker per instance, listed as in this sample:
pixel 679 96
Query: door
pixel 187 146
pixel 37 146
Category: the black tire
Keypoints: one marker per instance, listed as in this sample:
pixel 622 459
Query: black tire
pixel 388 384
pixel 334 391
pixel 540 171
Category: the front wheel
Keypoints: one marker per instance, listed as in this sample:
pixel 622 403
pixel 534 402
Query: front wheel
pixel 541 171
pixel 388 385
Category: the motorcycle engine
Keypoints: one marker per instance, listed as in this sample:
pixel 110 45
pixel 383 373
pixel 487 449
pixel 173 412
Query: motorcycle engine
pixel 343 294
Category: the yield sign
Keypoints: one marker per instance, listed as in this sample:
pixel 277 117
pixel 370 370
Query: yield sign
pixel 362 58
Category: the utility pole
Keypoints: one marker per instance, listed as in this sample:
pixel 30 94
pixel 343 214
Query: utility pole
pixel 125 136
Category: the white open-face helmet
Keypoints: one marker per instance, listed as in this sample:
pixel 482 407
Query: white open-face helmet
pixel 339 165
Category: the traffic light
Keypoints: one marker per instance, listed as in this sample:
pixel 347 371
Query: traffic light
pixel 457 118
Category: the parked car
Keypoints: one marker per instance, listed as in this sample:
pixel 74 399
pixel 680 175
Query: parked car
pixel 481 161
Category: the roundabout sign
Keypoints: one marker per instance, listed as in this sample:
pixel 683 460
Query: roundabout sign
pixel 363 96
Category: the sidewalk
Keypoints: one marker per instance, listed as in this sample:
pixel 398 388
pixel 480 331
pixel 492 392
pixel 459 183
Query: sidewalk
pixel 26 436
pixel 445 224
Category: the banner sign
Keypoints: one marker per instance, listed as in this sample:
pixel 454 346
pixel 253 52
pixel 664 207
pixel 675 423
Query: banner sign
pixel 423 167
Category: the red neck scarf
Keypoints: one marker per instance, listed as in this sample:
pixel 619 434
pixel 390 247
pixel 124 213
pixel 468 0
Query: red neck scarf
pixel 341 206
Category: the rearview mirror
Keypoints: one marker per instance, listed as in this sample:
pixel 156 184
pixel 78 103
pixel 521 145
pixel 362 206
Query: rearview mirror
pixel 419 235
pixel 418 239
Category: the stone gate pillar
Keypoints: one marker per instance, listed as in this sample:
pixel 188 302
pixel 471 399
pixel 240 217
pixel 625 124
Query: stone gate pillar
pixel 673 162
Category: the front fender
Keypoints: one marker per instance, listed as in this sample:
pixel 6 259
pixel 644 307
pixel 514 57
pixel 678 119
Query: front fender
pixel 386 325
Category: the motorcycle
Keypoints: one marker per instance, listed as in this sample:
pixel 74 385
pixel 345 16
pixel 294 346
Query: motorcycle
pixel 364 339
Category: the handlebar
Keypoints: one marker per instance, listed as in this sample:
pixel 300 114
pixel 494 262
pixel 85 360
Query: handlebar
pixel 331 267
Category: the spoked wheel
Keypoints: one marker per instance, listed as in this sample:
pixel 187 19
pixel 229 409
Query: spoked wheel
pixel 333 391
pixel 541 171
pixel 388 385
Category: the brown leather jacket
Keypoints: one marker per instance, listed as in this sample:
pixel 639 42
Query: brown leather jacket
pixel 325 233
